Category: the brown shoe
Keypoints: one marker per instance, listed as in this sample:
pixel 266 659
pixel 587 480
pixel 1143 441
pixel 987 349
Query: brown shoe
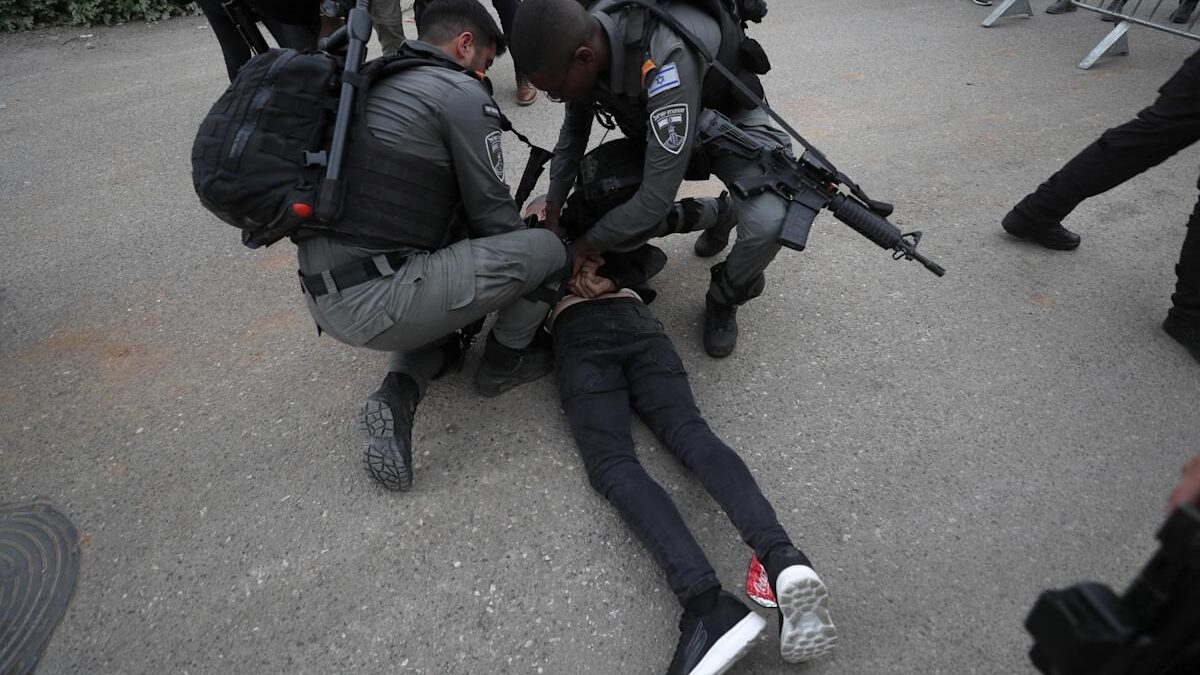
pixel 526 94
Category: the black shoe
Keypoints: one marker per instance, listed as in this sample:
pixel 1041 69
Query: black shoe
pixel 503 367
pixel 1056 236
pixel 387 419
pixel 1060 7
pixel 714 240
pixel 1185 333
pixel 1114 6
pixel 1184 12
pixel 720 327
pixel 712 642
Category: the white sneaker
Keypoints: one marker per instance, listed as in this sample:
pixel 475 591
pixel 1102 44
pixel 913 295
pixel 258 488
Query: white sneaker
pixel 805 629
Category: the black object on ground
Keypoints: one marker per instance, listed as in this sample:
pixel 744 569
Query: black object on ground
pixel 39 562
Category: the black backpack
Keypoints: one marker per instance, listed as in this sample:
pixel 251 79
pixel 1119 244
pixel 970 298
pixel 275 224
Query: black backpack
pixel 259 158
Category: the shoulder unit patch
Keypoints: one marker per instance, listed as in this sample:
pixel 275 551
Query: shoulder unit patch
pixel 669 125
pixel 495 153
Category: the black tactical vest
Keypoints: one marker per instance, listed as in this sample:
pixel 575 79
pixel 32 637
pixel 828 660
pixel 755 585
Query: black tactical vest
pixel 394 200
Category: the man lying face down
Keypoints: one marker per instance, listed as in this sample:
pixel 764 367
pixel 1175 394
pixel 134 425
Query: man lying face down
pixel 613 358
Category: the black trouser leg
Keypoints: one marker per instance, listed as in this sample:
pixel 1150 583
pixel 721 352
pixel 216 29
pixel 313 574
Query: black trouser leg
pixel 1158 132
pixel 596 399
pixel 600 422
pixel 1186 299
pixel 233 47
pixel 663 398
pixel 507 9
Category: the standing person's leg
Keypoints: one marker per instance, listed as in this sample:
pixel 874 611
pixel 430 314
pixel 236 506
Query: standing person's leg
pixel 419 9
pixel 388 17
pixel 233 48
pixel 662 397
pixel 507 9
pixel 1158 132
pixel 1183 320
pixel 740 278
pixel 295 24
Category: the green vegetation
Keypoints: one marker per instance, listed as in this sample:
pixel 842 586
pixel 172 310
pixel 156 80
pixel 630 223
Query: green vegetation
pixel 24 14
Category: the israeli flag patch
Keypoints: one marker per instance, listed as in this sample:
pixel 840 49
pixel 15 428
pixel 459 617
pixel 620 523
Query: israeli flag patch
pixel 666 79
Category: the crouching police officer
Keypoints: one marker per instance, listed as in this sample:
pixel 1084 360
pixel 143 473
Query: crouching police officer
pixel 430 240
pixel 653 85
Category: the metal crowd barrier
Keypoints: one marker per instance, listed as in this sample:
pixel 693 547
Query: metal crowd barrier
pixel 1155 14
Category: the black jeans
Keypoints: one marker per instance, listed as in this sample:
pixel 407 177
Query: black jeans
pixel 1171 124
pixel 612 355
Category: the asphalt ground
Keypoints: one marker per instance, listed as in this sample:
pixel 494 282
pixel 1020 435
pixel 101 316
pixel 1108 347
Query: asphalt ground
pixel 943 449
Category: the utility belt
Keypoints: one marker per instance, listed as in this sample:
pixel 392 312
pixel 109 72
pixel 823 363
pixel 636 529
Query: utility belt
pixel 352 273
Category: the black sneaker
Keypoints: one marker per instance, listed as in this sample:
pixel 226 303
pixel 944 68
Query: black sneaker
pixel 714 240
pixel 1054 237
pixel 503 367
pixel 720 327
pixel 386 421
pixel 1185 333
pixel 709 644
pixel 1060 7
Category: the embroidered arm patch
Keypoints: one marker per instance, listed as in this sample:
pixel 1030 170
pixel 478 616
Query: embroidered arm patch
pixel 670 127
pixel 666 79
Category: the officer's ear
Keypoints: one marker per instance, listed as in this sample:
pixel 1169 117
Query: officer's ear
pixel 585 56
pixel 465 46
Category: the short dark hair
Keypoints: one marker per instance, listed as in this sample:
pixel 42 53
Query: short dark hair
pixel 445 20
pixel 546 33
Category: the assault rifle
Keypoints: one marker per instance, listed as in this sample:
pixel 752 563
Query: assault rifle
pixel 810 184
pixel 1153 629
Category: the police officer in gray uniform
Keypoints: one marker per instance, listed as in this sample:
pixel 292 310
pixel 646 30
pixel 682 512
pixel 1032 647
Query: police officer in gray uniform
pixel 429 239
pixel 600 58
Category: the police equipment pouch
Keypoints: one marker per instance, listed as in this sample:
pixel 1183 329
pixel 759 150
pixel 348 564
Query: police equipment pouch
pixel 609 175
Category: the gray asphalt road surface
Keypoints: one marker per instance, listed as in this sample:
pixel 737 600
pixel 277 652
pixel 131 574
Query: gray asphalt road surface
pixel 943 449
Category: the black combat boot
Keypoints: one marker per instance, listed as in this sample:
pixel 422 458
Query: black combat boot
pixel 1060 7
pixel 716 238
pixel 711 642
pixel 1184 12
pixel 503 367
pixel 1054 237
pixel 805 630
pixel 720 327
pixel 387 419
